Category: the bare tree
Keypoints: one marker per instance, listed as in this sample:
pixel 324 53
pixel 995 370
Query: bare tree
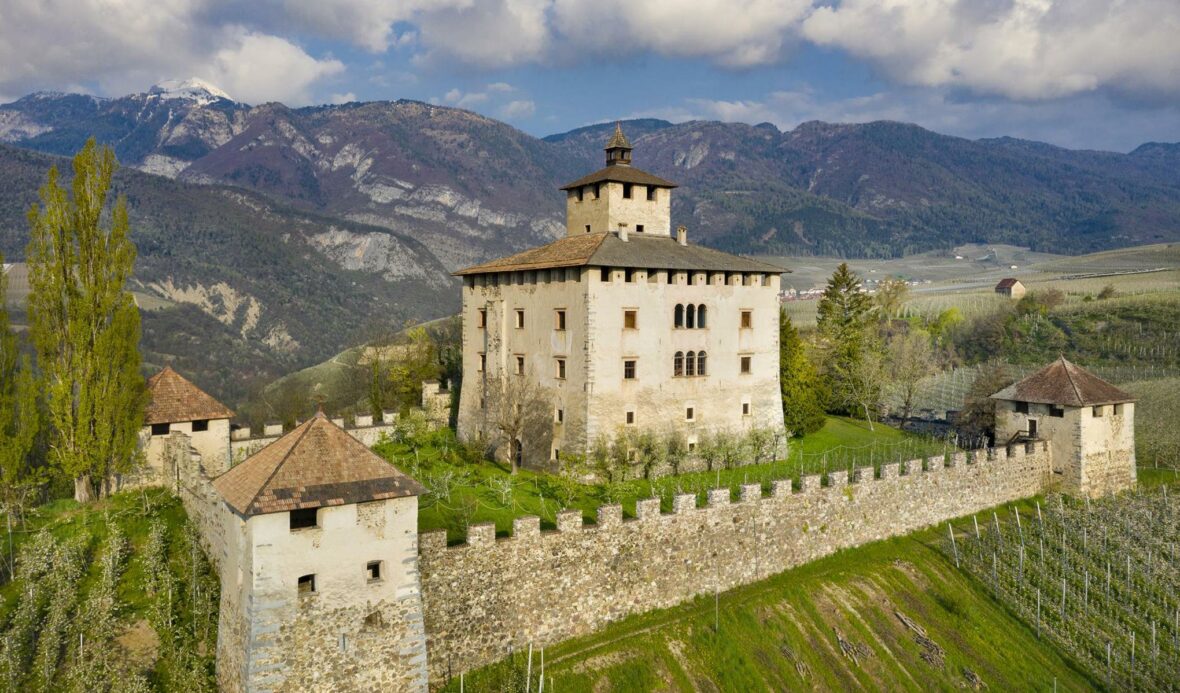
pixel 863 378
pixel 891 296
pixel 520 413
pixel 911 358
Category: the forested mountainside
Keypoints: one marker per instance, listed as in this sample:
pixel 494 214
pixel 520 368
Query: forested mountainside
pixel 238 289
pixel 469 187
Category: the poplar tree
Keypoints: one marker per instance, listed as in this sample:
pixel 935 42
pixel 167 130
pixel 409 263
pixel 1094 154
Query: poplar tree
pixel 802 389
pixel 19 418
pixel 843 317
pixel 84 324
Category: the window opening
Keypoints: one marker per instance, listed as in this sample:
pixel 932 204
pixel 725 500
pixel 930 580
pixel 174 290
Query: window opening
pixel 678 319
pixel 745 363
pixel 161 429
pixel 701 363
pixel 1022 407
pixel 626 191
pixel 559 416
pixel 745 408
pixel 373 568
pixel 639 228
pixel 701 317
pixel 747 319
pixel 520 365
pixel 483 362
pixel 304 518
pixel 630 418
pixel 561 369
pixel 690 316
pixel 559 320
pixel 678 364
pixel 199 426
pixel 689 414
pixel 519 319
pixel 605 274
pixel 630 319
pixel 482 321
pixel 690 361
pixel 629 369
pixel 307 584
pixel 651 193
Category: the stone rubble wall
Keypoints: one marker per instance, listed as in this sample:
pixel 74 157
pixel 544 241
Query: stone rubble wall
pixel 489 596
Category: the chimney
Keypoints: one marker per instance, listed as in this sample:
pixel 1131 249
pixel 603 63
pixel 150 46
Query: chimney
pixel 623 232
pixel 682 235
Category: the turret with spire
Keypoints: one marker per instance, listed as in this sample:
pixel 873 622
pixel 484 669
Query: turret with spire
pixel 618 149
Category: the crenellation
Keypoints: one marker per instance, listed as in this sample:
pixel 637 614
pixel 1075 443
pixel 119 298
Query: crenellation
pixel 781 488
pixel 838 478
pixel 528 526
pixel 683 503
pixel 751 492
pixel 719 497
pixel 481 535
pixel 569 521
pixel 810 483
pixel 862 474
pixel 609 515
pixel 647 509
pixel 890 471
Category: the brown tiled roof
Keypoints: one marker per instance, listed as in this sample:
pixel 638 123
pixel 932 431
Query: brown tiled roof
pixel 317 464
pixel 618 140
pixel 1007 283
pixel 620 174
pixel 1066 384
pixel 175 399
pixel 605 249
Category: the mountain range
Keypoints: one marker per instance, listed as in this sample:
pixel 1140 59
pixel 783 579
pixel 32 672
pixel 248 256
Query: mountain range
pixel 331 217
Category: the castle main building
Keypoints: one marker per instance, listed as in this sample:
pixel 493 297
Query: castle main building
pixel 622 323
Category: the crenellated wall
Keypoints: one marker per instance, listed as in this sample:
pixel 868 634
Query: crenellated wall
pixel 488 596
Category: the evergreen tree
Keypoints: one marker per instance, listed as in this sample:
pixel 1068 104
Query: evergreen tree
pixel 843 317
pixel 19 417
pixel 803 397
pixel 84 324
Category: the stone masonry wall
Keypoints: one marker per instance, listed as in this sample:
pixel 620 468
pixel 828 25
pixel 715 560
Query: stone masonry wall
pixel 488 596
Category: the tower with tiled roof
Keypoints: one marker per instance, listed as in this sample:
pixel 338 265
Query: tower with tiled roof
pixel 1088 423
pixel 176 405
pixel 319 578
pixel 620 326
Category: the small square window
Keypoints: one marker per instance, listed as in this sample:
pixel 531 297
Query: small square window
pixel 519 319
pixel 307 584
pixel 559 320
pixel 587 228
pixel 483 362
pixel 373 570
pixel 201 426
pixel 692 446
pixel 520 365
pixel 481 320
pixel 651 193
pixel 605 274
pixel 1099 411
pixel 627 191
pixel 560 369
pixel 1118 410
pixel 747 319
pixel 160 429
pixel 1056 411
pixel 630 319
pixel 304 518
pixel 639 228
pixel 746 362
pixel 690 414
pixel 1022 407
pixel 745 408
pixel 629 370
pixel 630 418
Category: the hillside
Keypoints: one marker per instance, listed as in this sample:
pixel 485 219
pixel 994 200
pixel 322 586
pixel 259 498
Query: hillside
pixel 238 289
pixel 469 187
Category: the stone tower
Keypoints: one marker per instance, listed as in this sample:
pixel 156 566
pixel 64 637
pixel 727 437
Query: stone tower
pixel 1089 424
pixel 319 568
pixel 175 405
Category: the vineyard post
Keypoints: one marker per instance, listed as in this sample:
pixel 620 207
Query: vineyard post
pixel 976 527
pixel 1042 542
pixel 1132 659
pixel 1040 521
pixel 1086 595
pixel 995 579
pixel 1021 569
pixel 999 536
pixel 1019 529
pixel 950 530
pixel 1063 600
pixel 1038 612
pixel 528 674
pixel 1108 664
pixel 1128 574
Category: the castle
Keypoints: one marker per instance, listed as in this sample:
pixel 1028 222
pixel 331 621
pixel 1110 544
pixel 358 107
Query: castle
pixel 328 585
pixel 620 325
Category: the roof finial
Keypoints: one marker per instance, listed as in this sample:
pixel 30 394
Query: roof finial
pixel 618 149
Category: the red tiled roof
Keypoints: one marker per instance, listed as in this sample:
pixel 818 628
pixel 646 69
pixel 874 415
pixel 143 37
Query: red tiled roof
pixel 174 399
pixel 1007 283
pixel 1066 384
pixel 317 464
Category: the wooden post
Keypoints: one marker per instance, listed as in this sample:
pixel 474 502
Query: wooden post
pixel 528 675
pixel 954 548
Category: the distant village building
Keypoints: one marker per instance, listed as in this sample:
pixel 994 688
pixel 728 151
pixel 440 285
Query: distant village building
pixel 1010 287
pixel 622 323
pixel 1089 424
pixel 176 405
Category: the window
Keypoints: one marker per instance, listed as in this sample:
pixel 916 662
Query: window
pixel 483 362
pixel 560 374
pixel 626 191
pixel 199 426
pixel 678 364
pixel 481 320
pixel 690 363
pixel 587 228
pixel 701 363
pixel 690 316
pixel 160 429
pixel 1032 428
pixel 701 316
pixel 559 415
pixel 629 275
pixel 690 414
pixel 559 320
pixel 745 364
pixel 1056 411
pixel 630 418
pixel 1098 411
pixel 307 584
pixel 678 316
pixel 629 369
pixel 1118 410
pixel 745 408
pixel 630 319
pixel 651 193
pixel 519 365
pixel 519 319
pixel 747 319
pixel 373 569
pixel 639 228
pixel 597 190
pixel 692 446
pixel 304 518
pixel 605 274
pixel 556 454
pixel 581 194
pixel 1022 407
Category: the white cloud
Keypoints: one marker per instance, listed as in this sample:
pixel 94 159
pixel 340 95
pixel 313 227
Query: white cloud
pixel 258 68
pixel 495 97
pixel 485 33
pixel 1022 49
pixel 347 97
pixel 518 109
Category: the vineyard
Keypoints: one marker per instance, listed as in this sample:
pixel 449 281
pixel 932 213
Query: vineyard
pixel 117 596
pixel 1098 579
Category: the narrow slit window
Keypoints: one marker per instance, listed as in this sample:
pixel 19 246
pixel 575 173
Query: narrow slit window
pixel 560 373
pixel 690 414
pixel 481 320
pixel 745 408
pixel 559 320
pixel 520 365
pixel 630 418
pixel 747 319
pixel 483 362
pixel 519 319
pixel 746 362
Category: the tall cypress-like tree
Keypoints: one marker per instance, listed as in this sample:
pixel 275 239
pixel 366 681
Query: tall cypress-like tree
pixel 19 417
pixel 844 316
pixel 802 388
pixel 84 324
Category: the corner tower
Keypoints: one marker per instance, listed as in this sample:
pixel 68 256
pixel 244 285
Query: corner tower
pixel 619 198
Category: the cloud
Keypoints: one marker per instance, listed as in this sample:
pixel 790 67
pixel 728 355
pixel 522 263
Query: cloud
pixel 518 109
pixel 347 97
pixel 1021 49
pixel 257 68
pixel 495 97
pixel 486 33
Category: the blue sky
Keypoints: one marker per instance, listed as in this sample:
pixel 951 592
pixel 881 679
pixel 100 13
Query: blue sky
pixel 1078 73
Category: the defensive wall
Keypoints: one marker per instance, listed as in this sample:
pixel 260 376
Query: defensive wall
pixel 245 441
pixel 489 596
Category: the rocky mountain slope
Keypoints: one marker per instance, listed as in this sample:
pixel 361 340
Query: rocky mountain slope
pixel 238 289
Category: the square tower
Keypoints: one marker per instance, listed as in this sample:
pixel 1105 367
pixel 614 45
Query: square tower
pixel 1089 424
pixel 177 405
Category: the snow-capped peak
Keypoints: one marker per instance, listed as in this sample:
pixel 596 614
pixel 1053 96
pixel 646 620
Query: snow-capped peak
pixel 191 88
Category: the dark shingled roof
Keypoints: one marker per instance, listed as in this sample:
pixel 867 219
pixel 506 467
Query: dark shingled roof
pixel 605 249
pixel 175 399
pixel 620 174
pixel 1065 384
pixel 317 464
pixel 1007 283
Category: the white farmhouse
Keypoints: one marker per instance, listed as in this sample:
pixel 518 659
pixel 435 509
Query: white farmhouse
pixel 622 323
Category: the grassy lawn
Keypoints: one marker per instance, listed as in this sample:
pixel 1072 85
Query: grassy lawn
pixel 465 492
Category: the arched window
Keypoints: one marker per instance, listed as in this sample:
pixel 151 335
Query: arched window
pixel 690 363
pixel 690 319
pixel 678 321
pixel 701 363
pixel 701 316
pixel 678 364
